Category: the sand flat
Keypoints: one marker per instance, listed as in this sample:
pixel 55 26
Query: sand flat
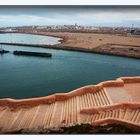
pixel 92 40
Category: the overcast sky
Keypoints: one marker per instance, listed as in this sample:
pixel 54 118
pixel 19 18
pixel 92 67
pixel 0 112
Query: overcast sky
pixel 60 15
pixel 69 2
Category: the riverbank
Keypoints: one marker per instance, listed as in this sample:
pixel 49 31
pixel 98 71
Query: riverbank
pixel 119 45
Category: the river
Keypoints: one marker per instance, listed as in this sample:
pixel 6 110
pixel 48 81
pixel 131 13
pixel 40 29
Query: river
pixel 27 76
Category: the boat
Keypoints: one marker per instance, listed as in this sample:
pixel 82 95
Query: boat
pixel 2 51
pixel 39 54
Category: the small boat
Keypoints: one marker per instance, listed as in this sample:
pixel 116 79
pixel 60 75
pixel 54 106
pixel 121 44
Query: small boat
pixel 3 51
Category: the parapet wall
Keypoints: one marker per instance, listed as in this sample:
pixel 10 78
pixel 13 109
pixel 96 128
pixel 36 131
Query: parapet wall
pixel 63 96
pixel 130 79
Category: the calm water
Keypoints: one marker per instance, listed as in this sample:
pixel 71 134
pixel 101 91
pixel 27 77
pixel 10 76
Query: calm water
pixel 28 39
pixel 24 77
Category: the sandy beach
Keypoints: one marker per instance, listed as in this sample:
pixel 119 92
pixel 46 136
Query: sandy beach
pixel 100 43
pixel 92 40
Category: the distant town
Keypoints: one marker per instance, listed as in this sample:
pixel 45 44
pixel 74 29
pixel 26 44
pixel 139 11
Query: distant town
pixel 73 28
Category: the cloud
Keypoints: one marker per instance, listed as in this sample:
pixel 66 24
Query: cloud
pixel 31 19
pixel 20 18
pixel 83 16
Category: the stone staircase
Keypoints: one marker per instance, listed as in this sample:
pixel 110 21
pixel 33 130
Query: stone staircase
pixel 126 113
pixel 87 105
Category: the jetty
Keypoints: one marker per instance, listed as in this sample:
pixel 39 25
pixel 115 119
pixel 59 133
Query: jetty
pixel 115 102
pixel 40 54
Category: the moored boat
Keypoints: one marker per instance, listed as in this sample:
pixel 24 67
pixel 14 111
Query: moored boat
pixel 40 54
pixel 3 51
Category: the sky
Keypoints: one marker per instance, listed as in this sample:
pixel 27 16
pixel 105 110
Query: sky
pixel 69 2
pixel 114 16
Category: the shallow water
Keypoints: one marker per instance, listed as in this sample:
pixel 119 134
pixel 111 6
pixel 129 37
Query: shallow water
pixel 27 76
pixel 28 39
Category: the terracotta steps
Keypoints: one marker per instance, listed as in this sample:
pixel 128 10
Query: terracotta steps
pixel 116 112
pixel 54 115
pixel 91 105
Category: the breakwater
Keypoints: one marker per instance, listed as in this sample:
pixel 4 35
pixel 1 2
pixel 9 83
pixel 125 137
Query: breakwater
pixel 40 54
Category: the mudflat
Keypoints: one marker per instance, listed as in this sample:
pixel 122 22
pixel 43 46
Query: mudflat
pixel 93 40
pixel 112 44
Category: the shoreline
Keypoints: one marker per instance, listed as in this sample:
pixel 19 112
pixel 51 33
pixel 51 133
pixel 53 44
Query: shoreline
pixel 69 48
pixel 83 42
